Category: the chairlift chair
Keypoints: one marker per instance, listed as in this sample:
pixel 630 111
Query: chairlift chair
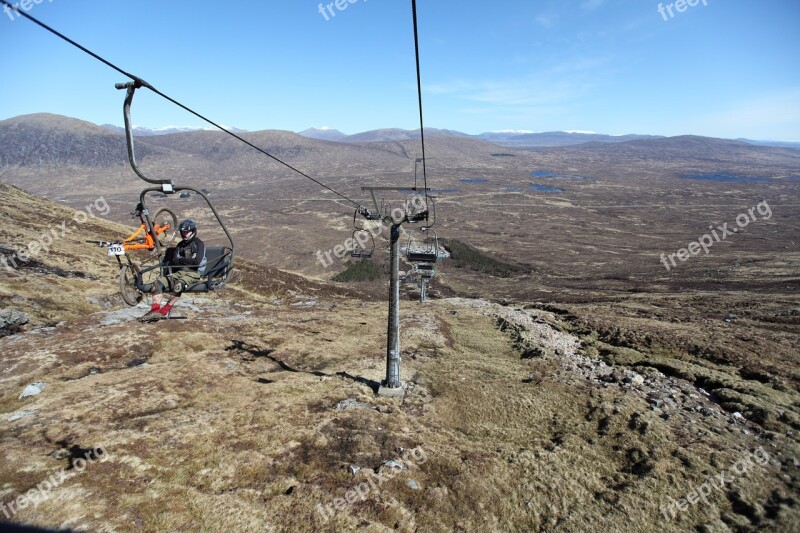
pixel 423 246
pixel 425 270
pixel 362 251
pixel 364 248
pixel 219 260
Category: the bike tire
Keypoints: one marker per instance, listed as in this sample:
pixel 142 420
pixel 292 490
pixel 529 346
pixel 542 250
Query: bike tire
pixel 131 295
pixel 168 237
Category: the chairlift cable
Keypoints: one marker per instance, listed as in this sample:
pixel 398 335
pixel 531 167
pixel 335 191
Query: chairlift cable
pixel 143 83
pixel 419 95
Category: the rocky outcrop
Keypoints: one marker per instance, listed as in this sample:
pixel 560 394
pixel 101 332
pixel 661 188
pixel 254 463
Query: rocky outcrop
pixel 11 321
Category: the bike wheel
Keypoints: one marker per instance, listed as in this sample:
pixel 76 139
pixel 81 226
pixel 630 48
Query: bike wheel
pixel 127 285
pixel 165 217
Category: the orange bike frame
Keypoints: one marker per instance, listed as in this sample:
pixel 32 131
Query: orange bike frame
pixel 134 242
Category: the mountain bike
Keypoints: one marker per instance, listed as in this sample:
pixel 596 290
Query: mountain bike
pixel 163 229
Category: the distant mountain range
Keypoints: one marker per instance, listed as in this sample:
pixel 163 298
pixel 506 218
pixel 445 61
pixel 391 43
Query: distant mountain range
pixel 511 139
pixel 139 131
pixel 779 144
pixel 52 140
pixel 323 134
pixel 66 157
pixel 557 138
pixel 508 138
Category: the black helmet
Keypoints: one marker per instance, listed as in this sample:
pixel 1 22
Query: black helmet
pixel 188 229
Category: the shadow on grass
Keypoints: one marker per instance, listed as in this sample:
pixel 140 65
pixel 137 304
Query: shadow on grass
pixel 256 352
pixel 372 384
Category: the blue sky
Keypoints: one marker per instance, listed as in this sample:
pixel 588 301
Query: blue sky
pixel 730 68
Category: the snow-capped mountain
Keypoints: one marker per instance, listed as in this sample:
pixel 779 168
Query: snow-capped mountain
pixel 141 131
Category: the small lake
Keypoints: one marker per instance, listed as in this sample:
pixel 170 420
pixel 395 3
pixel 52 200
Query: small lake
pixel 535 187
pixel 543 174
pixel 553 175
pixel 724 178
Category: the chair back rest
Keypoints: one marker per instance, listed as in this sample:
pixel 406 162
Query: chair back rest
pixel 218 259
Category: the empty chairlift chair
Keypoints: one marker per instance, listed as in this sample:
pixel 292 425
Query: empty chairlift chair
pixel 364 244
pixel 423 246
pixel 363 241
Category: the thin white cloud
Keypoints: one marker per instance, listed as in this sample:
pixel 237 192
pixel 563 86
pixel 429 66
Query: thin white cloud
pixel 475 111
pixel 546 20
pixel 591 5
pixel 580 65
pixel 523 93
pixel 559 85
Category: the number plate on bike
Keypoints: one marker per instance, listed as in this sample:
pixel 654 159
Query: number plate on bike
pixel 116 249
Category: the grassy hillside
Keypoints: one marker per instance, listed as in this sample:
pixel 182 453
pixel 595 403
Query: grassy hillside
pixel 258 411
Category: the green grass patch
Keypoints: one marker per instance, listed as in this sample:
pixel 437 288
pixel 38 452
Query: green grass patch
pixel 360 271
pixel 463 255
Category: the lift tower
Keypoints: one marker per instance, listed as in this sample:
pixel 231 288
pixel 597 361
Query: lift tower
pixel 392 386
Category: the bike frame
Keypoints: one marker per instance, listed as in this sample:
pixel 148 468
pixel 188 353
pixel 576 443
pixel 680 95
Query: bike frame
pixel 149 241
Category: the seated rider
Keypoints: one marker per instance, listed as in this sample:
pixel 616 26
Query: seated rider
pixel 184 265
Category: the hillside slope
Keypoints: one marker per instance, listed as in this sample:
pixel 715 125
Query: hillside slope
pixel 44 139
pixel 258 412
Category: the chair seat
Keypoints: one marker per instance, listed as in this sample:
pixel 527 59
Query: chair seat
pixel 218 261
pixel 422 257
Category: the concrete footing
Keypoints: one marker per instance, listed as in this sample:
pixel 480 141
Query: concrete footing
pixel 397 392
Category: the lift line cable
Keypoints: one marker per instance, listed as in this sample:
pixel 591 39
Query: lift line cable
pixel 143 83
pixel 419 95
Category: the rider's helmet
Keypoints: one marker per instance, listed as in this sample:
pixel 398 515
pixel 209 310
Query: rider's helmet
pixel 188 229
